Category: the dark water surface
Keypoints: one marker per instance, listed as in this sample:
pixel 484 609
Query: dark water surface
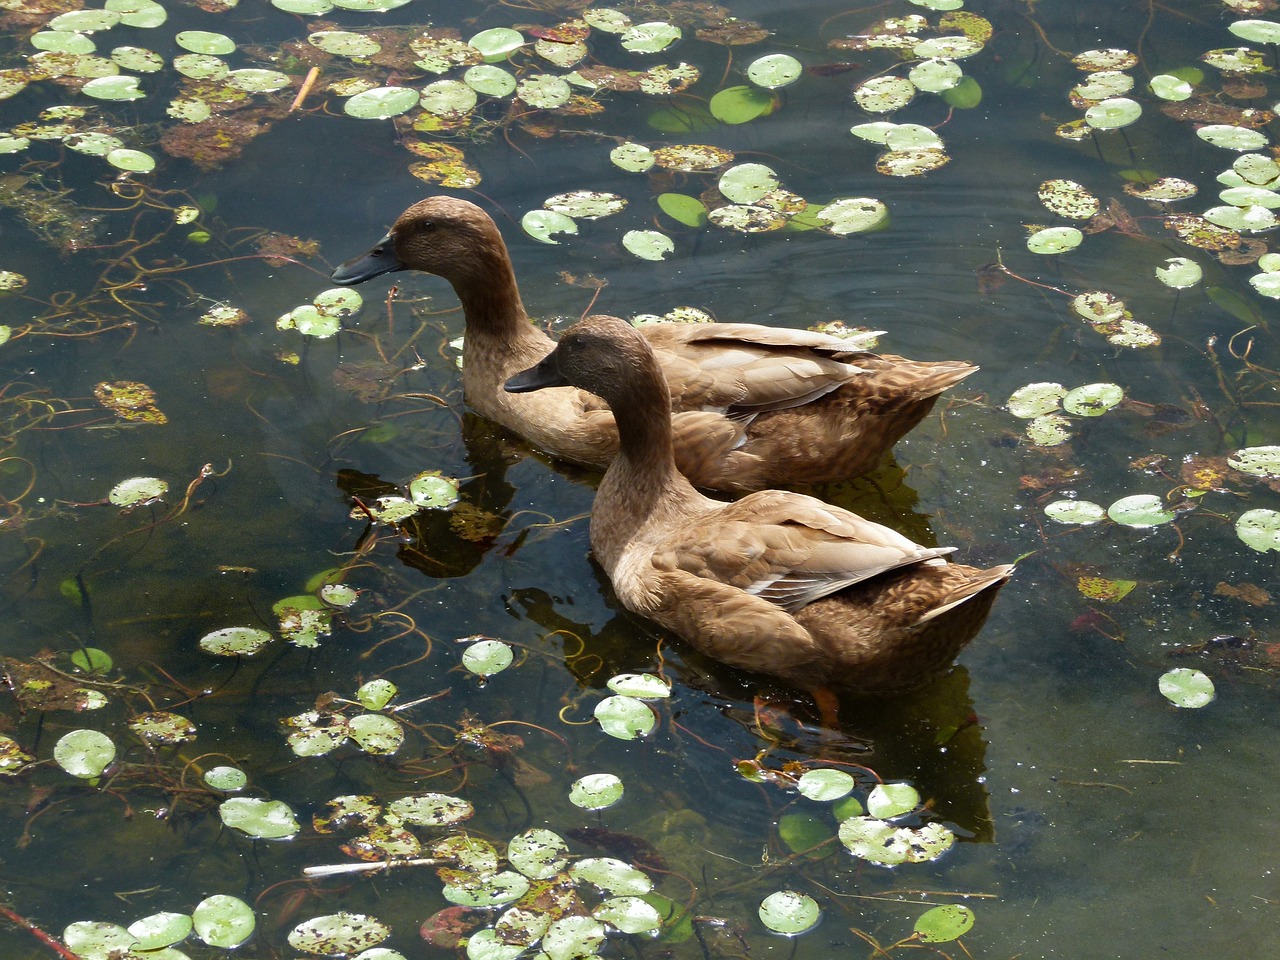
pixel 1096 819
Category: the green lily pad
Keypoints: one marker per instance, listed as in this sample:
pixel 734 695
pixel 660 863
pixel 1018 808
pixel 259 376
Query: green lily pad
pixel 1140 510
pixel 625 718
pixel 489 80
pixel 84 753
pixel 596 791
pixel 748 182
pixel 433 490
pixel 632 915
pixel 375 734
pixel 485 658
pixel 137 490
pixel 884 94
pixel 203 41
pixel 1054 240
pixel 1256 31
pixel 498 43
pixel 1035 399
pixel 542 225
pixel 586 204
pixel 537 853
pixel 1259 529
pixel 1179 273
pixel 1257 461
pixel 1113 113
pixel 825 784
pixel 262 819
pixel 1168 87
pixel 338 934
pixel 944 923
pixel 544 91
pixel 235 641
pixel 888 800
pixel 160 930
pixel 380 103
pixel 648 244
pixel 1083 512
pixel 223 921
pixel 227 779
pixel 789 912
pixel 1187 687
pixel 652 37
pixel 642 686
pixel 774 71
pixel 448 98
pixel 936 75
pixel 1231 137
pixel 1093 399
pixel 741 104
pixel 134 161
pixel 113 88
pixel 632 157
pixel 344 43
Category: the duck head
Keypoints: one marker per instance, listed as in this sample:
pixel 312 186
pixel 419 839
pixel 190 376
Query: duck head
pixel 448 237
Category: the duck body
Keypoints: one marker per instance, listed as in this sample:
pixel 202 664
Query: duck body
pixel 754 406
pixel 777 582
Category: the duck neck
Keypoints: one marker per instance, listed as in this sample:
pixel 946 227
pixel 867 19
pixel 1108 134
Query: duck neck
pixel 643 484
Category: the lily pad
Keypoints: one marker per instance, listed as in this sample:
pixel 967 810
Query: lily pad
pixel 789 912
pixel 223 921
pixel 338 934
pixel 648 244
pixel 1259 529
pixel 1093 399
pixel 1187 687
pixel 625 717
pixel 596 791
pixel 1083 512
pixel 944 923
pixel 1140 510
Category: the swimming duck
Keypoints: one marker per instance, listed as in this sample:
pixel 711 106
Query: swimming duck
pixel 755 406
pixel 778 582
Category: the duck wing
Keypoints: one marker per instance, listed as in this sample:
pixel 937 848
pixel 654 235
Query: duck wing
pixel 788 549
pixel 749 367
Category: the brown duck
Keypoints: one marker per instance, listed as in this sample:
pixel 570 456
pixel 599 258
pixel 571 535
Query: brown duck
pixel 754 406
pixel 778 582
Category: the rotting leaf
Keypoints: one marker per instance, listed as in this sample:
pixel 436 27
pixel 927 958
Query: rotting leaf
pixel 130 400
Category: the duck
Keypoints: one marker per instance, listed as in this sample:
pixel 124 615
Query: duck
pixel 756 406
pixel 777 582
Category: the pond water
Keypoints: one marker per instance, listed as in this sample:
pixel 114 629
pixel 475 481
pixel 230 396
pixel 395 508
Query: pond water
pixel 1093 816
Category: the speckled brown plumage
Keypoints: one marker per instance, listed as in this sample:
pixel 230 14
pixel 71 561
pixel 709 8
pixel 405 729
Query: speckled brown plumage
pixel 754 406
pixel 777 582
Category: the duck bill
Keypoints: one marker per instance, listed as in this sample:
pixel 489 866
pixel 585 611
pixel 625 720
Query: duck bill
pixel 544 374
pixel 381 259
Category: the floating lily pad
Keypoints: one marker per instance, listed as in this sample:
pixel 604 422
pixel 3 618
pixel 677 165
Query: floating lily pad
pixel 137 490
pixel 448 98
pixel 433 490
pixel 1259 529
pixel 138 13
pixel 944 923
pixel 537 853
pixel 648 244
pixel 262 819
pixel 1140 510
pixel 625 717
pixel 774 71
pixel 632 157
pixel 1035 399
pixel 1187 687
pixel 235 641
pixel 84 753
pixel 489 80
pixel 586 204
pixel 825 784
pixel 642 686
pixel 97 941
pixel 493 890
pixel 375 734
pixel 254 80
pixel 1257 461
pixel 498 43
pixel 1093 399
pixel 652 37
pixel 1180 273
pixel 1049 430
pixel 911 163
pixel 1231 137
pixel 1083 512
pixel 888 800
pixel 310 322
pixel 542 225
pixel 1068 199
pixel 381 103
pixel 429 810
pixel 741 104
pixel 1054 240
pixel 227 779
pixel 85 21
pixel 789 912
pixel 223 920
pixel 338 934
pixel 344 43
pixel 1168 87
pixel 485 658
pixel 160 727
pixel 747 182
pixel 1113 113
pixel 884 94
pixel 160 930
pixel 936 75
pixel 544 91
pixel 1256 31
pixel 203 41
pixel 1103 84
pixel 596 791
pixel 134 161
pixel 629 914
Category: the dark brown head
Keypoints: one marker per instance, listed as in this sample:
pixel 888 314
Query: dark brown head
pixel 605 356
pixel 451 238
